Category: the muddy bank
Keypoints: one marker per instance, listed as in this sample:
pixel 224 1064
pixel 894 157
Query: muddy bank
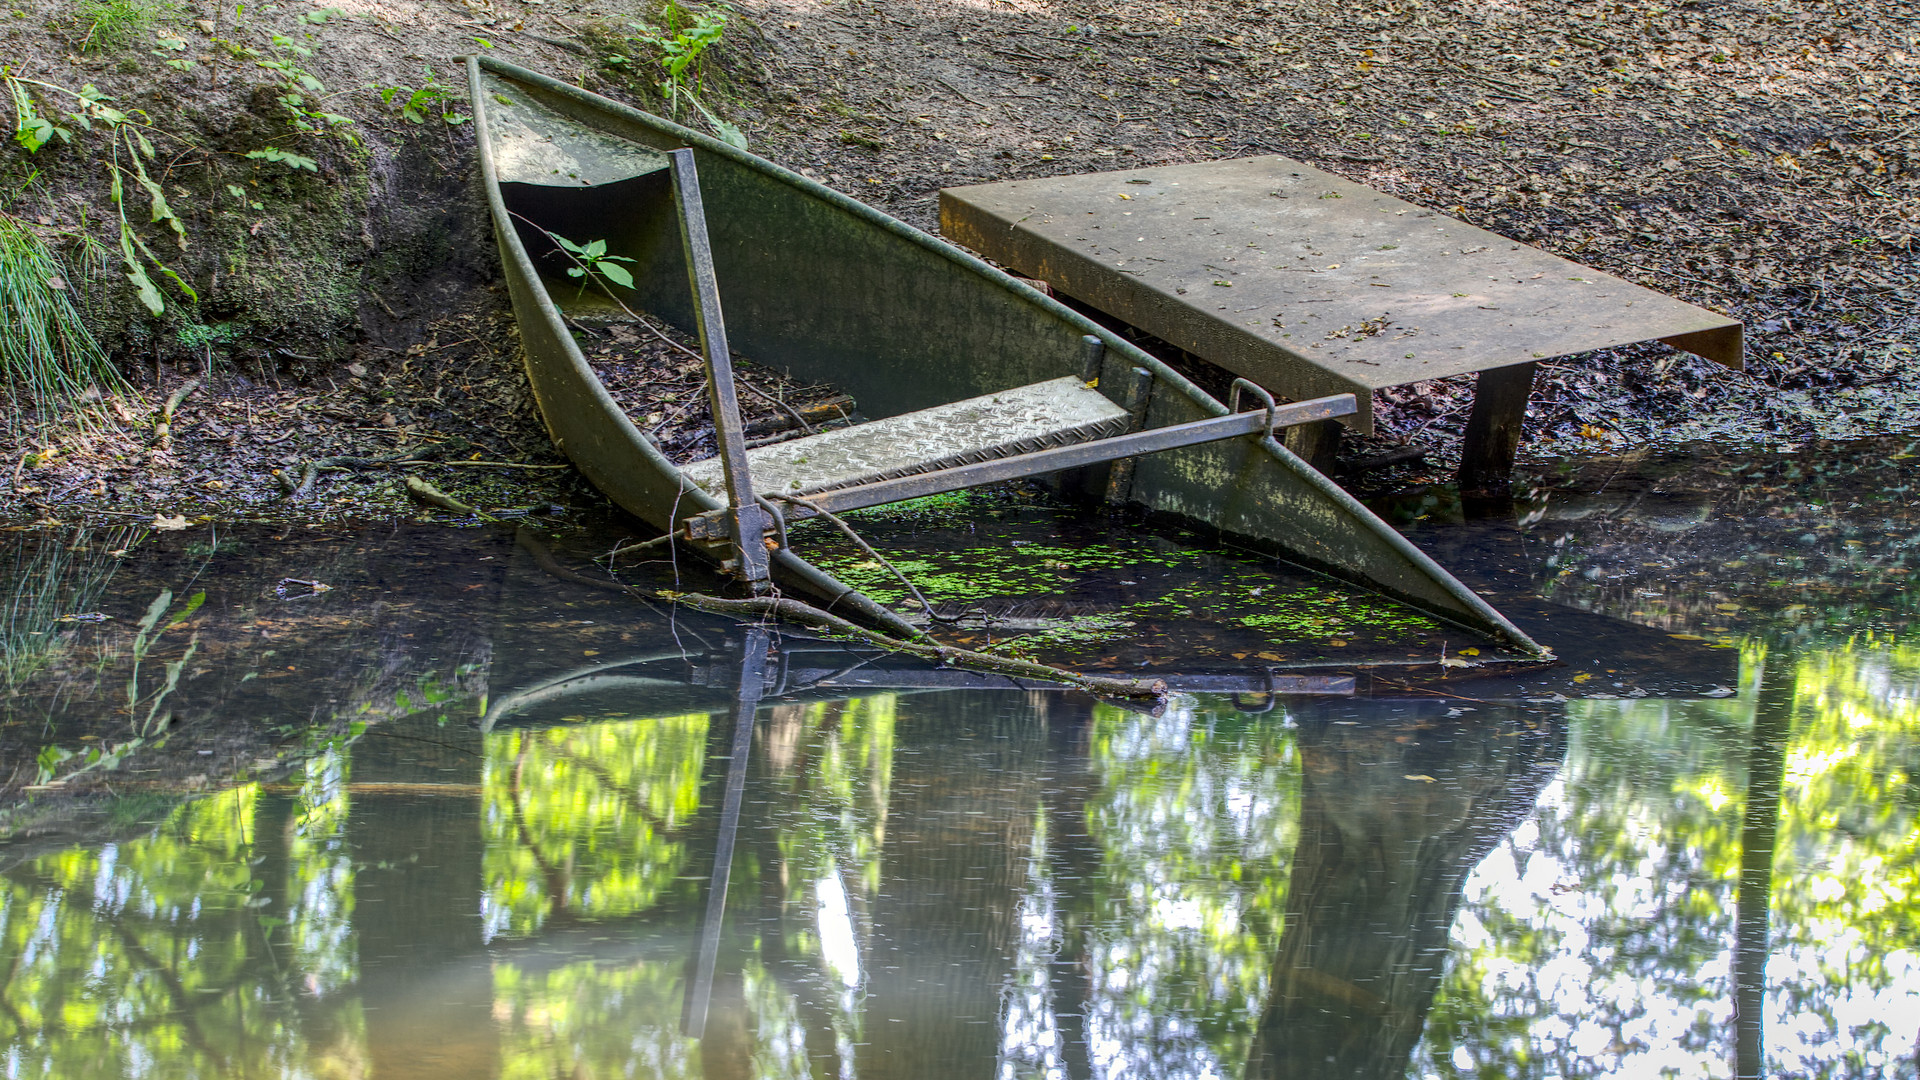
pixel 1754 158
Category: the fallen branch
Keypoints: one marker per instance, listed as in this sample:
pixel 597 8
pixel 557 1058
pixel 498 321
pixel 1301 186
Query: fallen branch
pixel 847 529
pixel 803 614
pixel 807 615
pixel 481 464
pixel 412 455
pixel 163 427
pixel 422 492
pixel 644 545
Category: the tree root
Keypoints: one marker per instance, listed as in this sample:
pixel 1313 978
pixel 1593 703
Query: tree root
pixel 412 455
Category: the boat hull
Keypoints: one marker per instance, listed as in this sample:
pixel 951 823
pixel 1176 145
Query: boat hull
pixel 833 291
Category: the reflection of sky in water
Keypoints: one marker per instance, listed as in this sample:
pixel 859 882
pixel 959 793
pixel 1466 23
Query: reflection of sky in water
pixel 1139 922
pixel 1599 939
pixel 1196 825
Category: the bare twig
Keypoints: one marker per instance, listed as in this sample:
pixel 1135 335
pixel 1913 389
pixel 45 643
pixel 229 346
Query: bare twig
pixel 864 546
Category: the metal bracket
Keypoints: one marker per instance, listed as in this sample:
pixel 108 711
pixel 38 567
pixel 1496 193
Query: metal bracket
pixel 1233 398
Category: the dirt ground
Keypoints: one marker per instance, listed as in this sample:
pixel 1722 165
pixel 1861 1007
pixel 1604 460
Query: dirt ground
pixel 1754 157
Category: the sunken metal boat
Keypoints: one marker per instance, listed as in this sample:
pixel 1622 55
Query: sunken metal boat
pixel 969 375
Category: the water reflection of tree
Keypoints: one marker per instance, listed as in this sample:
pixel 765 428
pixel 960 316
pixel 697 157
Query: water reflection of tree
pixel 586 822
pixel 1193 818
pixel 784 1004
pixel 1611 935
pixel 175 954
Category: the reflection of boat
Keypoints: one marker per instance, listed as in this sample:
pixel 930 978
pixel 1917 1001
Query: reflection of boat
pixel 799 668
pixel 986 377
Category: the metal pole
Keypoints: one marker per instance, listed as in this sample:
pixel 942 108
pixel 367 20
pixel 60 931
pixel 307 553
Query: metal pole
pixel 753 668
pixel 747 519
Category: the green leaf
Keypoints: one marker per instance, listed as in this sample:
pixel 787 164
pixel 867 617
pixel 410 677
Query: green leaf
pixel 154 610
pixel 49 760
pixel 143 286
pixel 34 133
pixel 728 133
pixel 186 613
pixel 289 159
pixel 178 281
pixel 594 249
pixel 616 274
pixel 162 210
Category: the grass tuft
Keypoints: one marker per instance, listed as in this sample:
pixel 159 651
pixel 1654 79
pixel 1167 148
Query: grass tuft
pixel 48 358
pixel 113 24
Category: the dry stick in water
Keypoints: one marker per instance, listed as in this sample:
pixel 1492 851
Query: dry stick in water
pixel 794 611
pixel 864 546
pixel 422 492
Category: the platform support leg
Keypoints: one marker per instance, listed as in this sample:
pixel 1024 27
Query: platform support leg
pixel 1493 429
pixel 1317 443
pixel 1134 397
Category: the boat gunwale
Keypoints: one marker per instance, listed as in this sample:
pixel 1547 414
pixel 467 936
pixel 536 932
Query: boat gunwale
pixel 1494 623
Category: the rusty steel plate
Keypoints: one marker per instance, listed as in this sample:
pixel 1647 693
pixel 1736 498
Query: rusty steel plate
pixel 1308 283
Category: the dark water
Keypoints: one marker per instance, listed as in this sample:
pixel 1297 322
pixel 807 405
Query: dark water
pixel 451 818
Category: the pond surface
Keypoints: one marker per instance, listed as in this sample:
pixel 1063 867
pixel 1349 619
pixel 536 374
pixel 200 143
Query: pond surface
pixel 453 818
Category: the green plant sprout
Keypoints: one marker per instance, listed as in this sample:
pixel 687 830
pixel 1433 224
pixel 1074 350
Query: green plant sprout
pixel 417 105
pixel 129 149
pixel 593 264
pixel 682 47
pixel 295 84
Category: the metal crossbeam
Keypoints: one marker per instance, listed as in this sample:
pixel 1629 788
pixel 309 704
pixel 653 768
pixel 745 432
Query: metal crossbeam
pixel 1260 422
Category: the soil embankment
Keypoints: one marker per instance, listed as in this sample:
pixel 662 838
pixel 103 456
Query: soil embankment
pixel 332 281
